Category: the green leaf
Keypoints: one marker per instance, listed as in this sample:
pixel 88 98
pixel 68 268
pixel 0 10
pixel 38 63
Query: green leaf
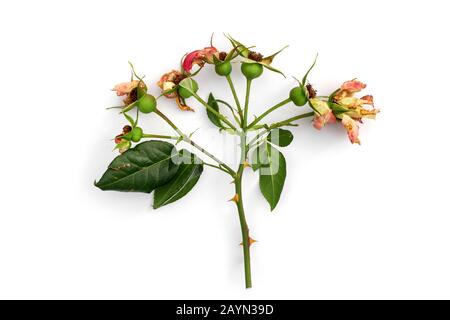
pixel 184 180
pixel 212 116
pixel 272 176
pixel 141 169
pixel 280 137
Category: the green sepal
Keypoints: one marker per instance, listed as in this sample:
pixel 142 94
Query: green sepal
pixel 305 77
pixel 268 60
pixel 239 47
pixel 337 109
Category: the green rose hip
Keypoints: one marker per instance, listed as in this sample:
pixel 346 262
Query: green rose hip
pixel 299 95
pixel 251 70
pixel 147 103
pixel 223 68
pixel 185 93
pixel 136 134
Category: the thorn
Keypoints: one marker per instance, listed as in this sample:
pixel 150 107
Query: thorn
pixel 250 241
pixel 246 164
pixel 235 198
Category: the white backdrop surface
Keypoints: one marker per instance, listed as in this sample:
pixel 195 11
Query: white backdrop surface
pixel 369 221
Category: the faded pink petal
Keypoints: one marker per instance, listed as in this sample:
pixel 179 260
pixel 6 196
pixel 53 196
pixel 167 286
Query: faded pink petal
pixel 352 129
pixel 320 121
pixel 198 57
pixel 367 100
pixel 169 80
pixel 353 86
pixel 125 88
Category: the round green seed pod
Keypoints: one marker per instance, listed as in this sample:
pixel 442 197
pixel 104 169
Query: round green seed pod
pixel 251 70
pixel 136 134
pixel 299 96
pixel 185 93
pixel 223 68
pixel 147 103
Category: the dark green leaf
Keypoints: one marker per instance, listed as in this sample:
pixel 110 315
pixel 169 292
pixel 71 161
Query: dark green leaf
pixel 272 176
pixel 185 179
pixel 212 116
pixel 280 137
pixel 141 169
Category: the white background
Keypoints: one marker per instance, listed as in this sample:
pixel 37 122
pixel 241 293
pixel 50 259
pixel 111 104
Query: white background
pixel 369 221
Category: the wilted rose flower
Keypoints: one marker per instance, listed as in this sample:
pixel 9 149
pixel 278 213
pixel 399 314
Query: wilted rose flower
pixel 345 98
pixel 128 89
pixel 352 108
pixel 121 144
pixel 169 81
pixel 199 57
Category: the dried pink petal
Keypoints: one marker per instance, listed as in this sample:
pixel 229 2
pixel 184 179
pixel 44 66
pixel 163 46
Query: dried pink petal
pixel 352 129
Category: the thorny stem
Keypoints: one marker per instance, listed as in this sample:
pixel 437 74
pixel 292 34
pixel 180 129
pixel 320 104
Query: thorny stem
pixel 275 107
pixel 236 99
pixel 185 138
pixel 240 206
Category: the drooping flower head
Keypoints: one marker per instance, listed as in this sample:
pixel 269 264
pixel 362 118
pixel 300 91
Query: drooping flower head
pixel 129 89
pixel 169 83
pixel 199 58
pixel 344 106
pixel 123 144
pixel 344 97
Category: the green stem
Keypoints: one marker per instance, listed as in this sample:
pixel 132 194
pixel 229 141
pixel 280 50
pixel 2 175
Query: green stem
pixel 240 206
pixel 195 145
pixel 236 99
pixel 207 106
pixel 159 136
pixel 268 111
pixel 284 122
pixel 247 99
